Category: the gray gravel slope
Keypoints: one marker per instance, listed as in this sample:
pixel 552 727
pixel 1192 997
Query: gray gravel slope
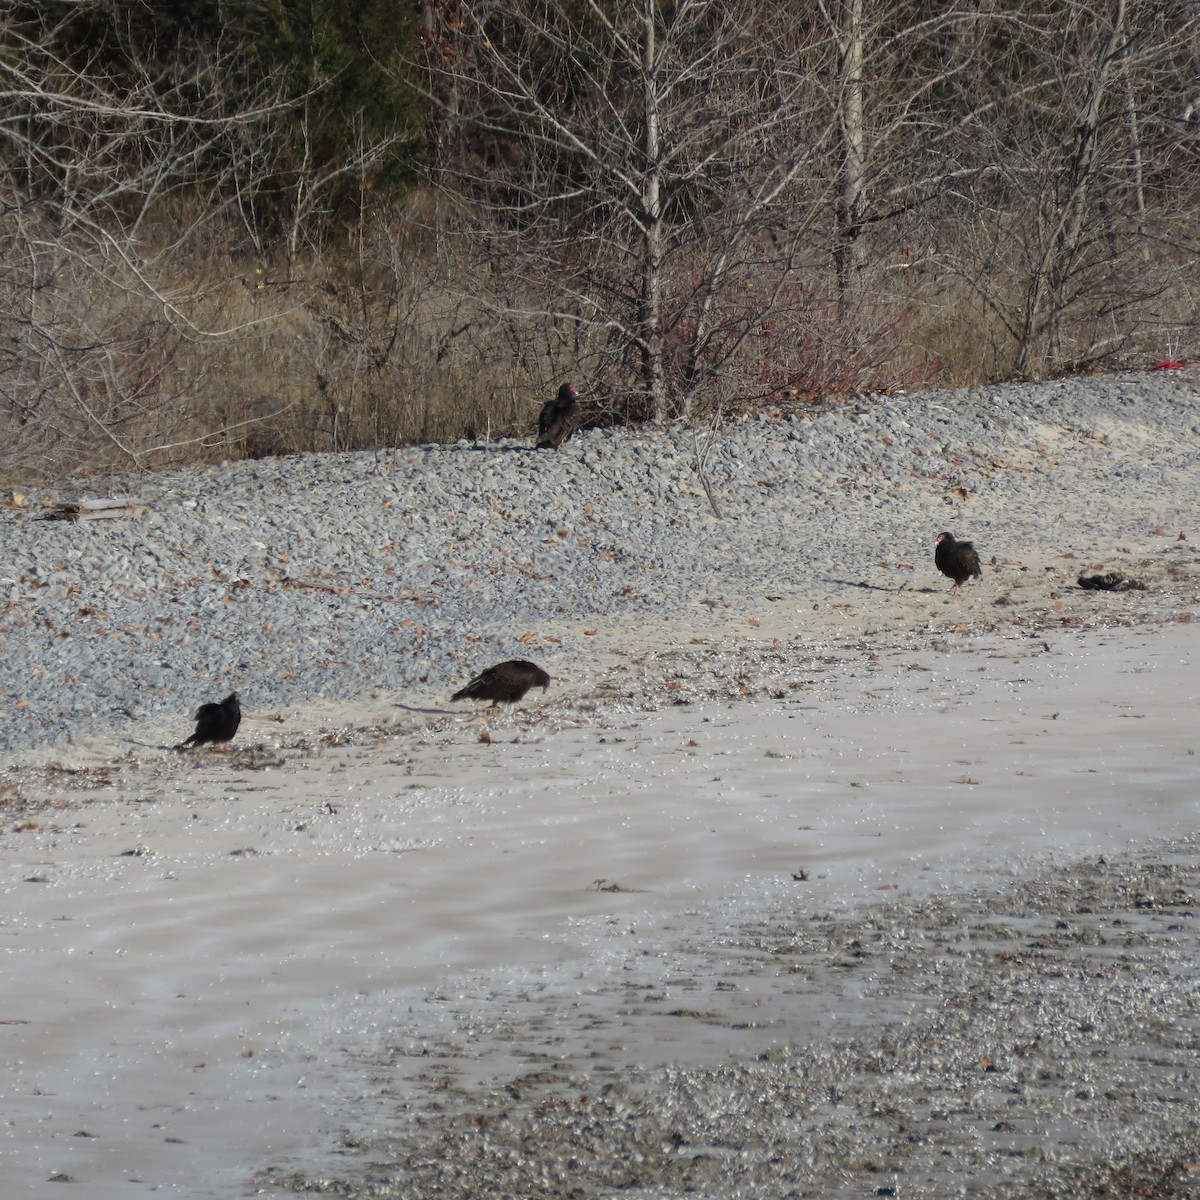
pixel 332 576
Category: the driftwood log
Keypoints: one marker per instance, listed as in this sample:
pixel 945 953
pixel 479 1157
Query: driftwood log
pixel 94 510
pixel 1114 581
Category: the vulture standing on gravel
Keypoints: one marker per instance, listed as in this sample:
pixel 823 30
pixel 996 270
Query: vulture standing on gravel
pixel 560 418
pixel 505 683
pixel 215 722
pixel 956 560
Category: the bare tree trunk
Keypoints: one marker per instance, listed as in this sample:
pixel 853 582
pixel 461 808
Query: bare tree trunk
pixel 1048 291
pixel 1139 171
pixel 849 254
pixel 650 322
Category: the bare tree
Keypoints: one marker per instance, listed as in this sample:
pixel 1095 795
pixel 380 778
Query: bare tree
pixel 850 30
pixel 639 166
pixel 721 196
pixel 1084 203
pixel 130 164
pixel 105 190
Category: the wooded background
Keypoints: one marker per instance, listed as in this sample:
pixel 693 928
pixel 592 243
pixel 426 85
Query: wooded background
pixel 283 225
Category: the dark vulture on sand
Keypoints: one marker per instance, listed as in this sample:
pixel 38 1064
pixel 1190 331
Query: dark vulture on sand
pixel 560 418
pixel 505 683
pixel 215 722
pixel 956 560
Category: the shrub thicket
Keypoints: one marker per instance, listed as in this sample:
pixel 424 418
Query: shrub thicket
pixel 248 229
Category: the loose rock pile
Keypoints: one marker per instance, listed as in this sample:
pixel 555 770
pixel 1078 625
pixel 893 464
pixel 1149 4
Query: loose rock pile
pixel 407 570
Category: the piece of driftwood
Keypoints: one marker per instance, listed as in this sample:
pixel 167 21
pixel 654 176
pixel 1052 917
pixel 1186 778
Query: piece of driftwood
pixel 94 510
pixel 1114 581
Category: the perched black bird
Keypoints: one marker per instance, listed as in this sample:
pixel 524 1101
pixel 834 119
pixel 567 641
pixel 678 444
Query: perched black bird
pixel 505 683
pixel 215 722
pixel 560 418
pixel 956 560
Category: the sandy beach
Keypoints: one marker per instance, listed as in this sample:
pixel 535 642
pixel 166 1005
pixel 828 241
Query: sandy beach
pixel 240 972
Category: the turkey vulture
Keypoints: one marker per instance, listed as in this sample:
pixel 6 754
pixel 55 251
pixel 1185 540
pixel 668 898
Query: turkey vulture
pixel 505 683
pixel 560 418
pixel 956 560
pixel 215 722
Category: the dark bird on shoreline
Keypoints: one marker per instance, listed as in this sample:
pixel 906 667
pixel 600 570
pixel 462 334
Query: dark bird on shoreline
pixel 215 722
pixel 505 683
pixel 956 560
pixel 560 418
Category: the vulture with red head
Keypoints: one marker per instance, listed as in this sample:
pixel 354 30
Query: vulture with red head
pixel 956 560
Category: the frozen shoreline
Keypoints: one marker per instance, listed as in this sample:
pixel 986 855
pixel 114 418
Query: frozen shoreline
pixel 381 929
pixel 227 967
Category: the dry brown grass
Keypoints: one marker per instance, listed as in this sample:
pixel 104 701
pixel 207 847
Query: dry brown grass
pixel 360 349
pixel 377 345
pixel 399 337
pixel 956 339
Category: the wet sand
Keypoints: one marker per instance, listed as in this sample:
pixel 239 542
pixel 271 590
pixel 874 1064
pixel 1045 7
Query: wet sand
pixel 228 971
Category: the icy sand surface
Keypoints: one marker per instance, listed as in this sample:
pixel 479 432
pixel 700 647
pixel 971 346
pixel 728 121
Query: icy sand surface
pixel 326 952
pixel 188 968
